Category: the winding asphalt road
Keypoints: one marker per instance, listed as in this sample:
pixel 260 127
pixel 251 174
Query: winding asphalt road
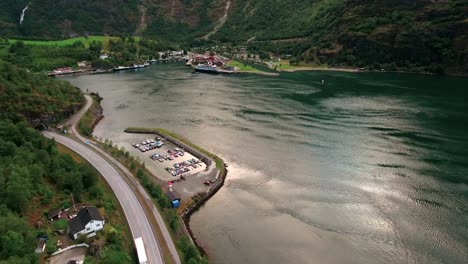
pixel 136 216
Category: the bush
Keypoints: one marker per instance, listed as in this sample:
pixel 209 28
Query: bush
pixel 60 224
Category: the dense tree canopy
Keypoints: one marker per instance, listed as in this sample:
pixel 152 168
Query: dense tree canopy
pixel 31 169
pixel 23 94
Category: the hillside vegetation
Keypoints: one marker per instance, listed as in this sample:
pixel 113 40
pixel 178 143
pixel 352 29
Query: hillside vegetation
pixel 39 55
pixel 395 34
pixel 26 96
pixel 48 19
pixel 37 176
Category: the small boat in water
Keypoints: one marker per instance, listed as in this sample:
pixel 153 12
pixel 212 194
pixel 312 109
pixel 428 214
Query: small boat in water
pixel 124 68
pixel 63 71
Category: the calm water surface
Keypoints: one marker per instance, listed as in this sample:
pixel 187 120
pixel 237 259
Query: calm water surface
pixel 366 168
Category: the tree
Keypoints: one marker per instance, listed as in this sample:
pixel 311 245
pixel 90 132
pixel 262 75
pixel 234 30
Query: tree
pixel 7 148
pixel 114 256
pixel 13 244
pixel 89 175
pixel 95 48
pixel 18 189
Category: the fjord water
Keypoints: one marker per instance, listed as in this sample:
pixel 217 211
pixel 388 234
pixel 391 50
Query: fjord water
pixel 365 168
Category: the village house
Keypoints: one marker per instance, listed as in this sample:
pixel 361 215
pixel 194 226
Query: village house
pixel 87 222
pixel 82 63
pixel 177 53
pixel 54 214
pixel 103 56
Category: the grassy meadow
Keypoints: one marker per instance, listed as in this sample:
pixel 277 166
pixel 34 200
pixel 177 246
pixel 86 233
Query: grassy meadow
pixel 86 41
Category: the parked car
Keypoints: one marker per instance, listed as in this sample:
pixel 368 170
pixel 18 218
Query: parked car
pixel 75 262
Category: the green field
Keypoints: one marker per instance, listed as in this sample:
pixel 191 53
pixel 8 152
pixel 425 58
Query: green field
pixel 70 41
pixel 242 67
pixel 284 65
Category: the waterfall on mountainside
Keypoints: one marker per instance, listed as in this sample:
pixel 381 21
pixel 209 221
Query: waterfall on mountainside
pixel 227 9
pixel 22 13
pixel 220 22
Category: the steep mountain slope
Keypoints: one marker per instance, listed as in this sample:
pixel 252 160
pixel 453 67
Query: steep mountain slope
pixel 64 18
pixel 390 33
pixel 419 35
pixel 419 32
pixel 35 97
pixel 183 19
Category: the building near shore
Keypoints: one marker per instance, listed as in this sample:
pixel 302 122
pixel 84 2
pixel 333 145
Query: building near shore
pixel 82 64
pixel 174 197
pixel 104 56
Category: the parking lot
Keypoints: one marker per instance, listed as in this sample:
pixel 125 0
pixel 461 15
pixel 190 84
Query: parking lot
pixel 167 161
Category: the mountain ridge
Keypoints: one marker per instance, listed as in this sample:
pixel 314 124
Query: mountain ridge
pixel 386 33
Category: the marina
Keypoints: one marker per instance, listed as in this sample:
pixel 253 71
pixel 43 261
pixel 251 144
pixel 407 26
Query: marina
pixel 64 71
pixel 133 67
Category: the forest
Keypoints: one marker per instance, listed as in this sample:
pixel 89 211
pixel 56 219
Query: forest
pixel 37 176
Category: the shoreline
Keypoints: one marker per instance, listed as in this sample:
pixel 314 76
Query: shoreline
pixel 356 70
pixel 298 69
pixel 320 69
pixel 264 73
pixel 195 150
pixel 198 203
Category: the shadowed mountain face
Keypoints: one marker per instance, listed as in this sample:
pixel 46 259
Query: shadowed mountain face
pixel 64 18
pixel 391 33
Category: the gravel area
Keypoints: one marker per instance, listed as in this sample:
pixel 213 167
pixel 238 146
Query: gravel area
pixel 71 254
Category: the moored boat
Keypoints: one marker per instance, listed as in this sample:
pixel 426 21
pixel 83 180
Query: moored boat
pixel 207 68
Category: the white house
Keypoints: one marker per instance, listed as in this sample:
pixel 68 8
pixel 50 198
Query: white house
pixel 87 222
pixel 82 63
pixel 103 56
pixel 177 53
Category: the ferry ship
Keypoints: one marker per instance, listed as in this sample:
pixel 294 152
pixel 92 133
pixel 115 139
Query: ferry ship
pixel 207 68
